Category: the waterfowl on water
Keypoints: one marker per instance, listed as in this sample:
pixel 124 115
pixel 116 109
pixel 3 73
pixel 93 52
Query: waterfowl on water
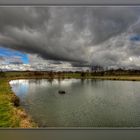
pixel 61 92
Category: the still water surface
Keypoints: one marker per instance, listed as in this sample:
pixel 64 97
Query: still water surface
pixel 87 103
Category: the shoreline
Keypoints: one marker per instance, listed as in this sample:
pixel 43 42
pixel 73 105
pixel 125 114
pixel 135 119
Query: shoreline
pixel 119 78
pixel 19 118
pixel 25 119
pixel 12 114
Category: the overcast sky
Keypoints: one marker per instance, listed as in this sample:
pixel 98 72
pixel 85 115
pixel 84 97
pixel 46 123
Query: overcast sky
pixel 69 37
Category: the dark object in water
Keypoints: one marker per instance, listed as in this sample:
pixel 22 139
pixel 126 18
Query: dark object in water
pixel 61 92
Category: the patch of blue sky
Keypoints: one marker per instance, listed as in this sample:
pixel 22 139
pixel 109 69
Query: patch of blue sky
pixel 5 52
pixel 135 38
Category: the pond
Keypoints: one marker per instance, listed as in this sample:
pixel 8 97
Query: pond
pixel 85 103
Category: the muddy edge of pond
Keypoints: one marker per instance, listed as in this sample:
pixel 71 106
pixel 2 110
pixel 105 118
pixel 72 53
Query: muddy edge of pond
pixel 25 120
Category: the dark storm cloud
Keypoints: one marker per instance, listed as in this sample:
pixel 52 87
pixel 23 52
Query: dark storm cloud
pixel 80 35
pixel 77 64
pixel 108 22
pixel 22 17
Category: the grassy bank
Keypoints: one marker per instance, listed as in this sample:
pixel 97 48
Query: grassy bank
pixel 123 78
pixel 12 115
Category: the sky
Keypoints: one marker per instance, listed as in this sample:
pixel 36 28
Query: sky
pixel 69 38
pixel 13 57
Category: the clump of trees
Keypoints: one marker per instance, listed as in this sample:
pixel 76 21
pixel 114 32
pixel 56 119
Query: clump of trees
pixel 38 73
pixel 2 74
pixel 35 73
pixel 51 74
pixel 83 74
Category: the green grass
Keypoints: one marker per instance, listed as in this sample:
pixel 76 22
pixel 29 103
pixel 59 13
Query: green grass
pixel 6 105
pixel 5 112
pixel 9 116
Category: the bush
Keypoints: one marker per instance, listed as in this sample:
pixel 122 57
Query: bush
pixel 2 74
